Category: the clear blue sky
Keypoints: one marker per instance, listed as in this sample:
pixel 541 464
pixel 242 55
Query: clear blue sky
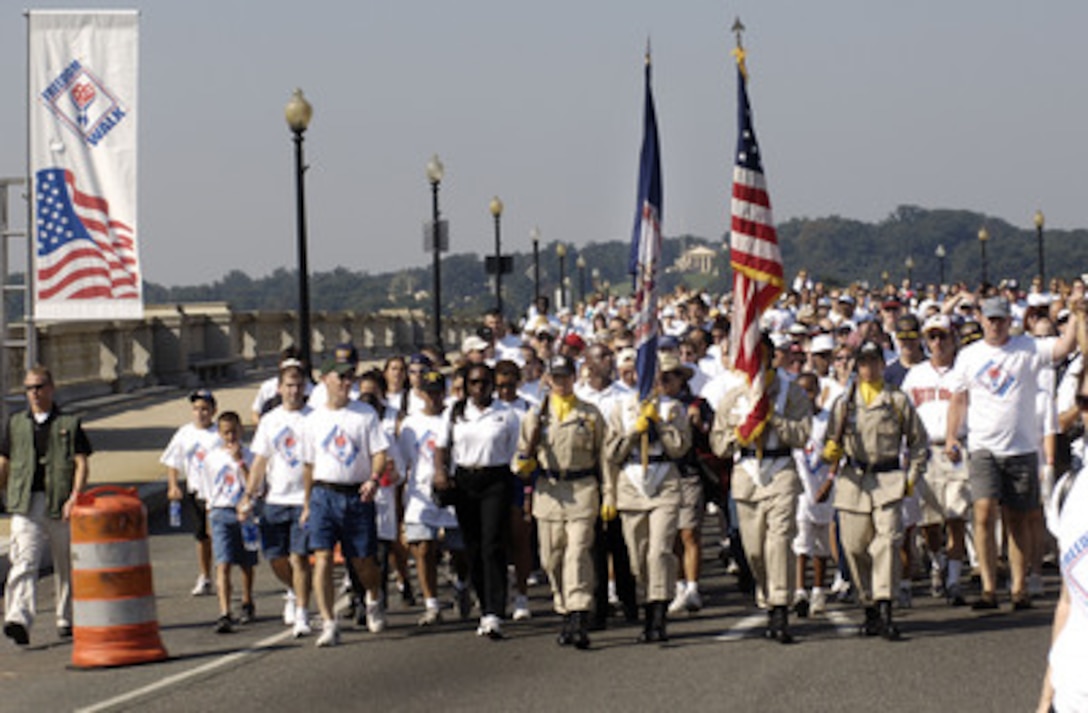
pixel 859 107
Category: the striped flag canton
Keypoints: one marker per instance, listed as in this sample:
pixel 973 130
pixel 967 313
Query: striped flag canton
pixel 83 253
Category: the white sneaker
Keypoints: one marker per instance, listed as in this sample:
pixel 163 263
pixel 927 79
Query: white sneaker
pixel 290 603
pixel 430 617
pixel 301 623
pixel 693 602
pixel 203 587
pixel 490 626
pixel 521 608
pixel 330 635
pixel 818 602
pixel 679 602
pixel 375 617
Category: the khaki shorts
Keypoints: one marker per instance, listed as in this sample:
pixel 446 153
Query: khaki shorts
pixel 692 503
pixel 951 487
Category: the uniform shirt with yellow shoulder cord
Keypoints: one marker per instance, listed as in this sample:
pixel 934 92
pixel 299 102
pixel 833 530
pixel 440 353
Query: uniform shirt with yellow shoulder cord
pixel 878 421
pixel 569 454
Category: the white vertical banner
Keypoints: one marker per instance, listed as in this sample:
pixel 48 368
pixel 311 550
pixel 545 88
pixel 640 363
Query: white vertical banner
pixel 82 123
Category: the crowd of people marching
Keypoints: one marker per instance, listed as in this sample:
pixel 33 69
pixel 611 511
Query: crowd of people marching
pixel 903 430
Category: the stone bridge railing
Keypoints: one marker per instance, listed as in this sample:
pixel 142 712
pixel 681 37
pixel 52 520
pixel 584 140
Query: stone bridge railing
pixel 196 343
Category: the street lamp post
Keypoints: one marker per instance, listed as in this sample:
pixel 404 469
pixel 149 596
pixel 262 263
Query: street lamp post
pixel 534 234
pixel 940 253
pixel 298 113
pixel 1040 220
pixel 561 252
pixel 909 264
pixel 435 171
pixel 496 212
pixel 581 263
pixel 983 238
pixel 595 280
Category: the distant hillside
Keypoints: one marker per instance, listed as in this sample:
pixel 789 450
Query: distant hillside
pixel 833 249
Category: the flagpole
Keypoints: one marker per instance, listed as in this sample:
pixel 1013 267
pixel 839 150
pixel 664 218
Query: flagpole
pixel 30 337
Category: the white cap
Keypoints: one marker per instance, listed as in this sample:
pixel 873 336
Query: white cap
pixel 821 343
pixel 937 321
pixel 472 343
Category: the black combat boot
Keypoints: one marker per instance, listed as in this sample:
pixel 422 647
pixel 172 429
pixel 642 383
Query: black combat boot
pixel 580 630
pixel 871 626
pixel 778 625
pixel 660 612
pixel 565 637
pixel 648 634
pixel 888 629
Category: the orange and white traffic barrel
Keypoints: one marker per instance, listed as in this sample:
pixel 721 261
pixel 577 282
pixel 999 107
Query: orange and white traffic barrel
pixel 114 620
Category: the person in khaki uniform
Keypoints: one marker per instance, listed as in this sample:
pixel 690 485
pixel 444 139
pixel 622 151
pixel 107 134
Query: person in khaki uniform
pixel 765 487
pixel 871 485
pixel 564 437
pixel 649 497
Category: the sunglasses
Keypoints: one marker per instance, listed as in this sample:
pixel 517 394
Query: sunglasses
pixel 506 385
pixel 937 336
pixel 477 382
pixel 35 387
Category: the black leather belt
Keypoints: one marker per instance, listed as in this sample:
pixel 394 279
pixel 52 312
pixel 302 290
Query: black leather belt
pixel 482 470
pixel 342 488
pixel 571 474
pixel 881 467
pixel 767 452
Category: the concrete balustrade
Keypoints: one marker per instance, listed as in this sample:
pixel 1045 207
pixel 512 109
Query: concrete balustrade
pixel 194 344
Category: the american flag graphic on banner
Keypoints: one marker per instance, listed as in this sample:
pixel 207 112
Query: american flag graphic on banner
pixel 755 258
pixel 83 253
pixel 646 247
pixel 83 111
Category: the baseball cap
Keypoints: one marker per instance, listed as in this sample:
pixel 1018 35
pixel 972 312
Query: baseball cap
pixel 420 359
pixel 202 395
pixel 970 331
pixel 668 362
pixel 891 303
pixel 561 366
pixel 668 342
pixel 472 343
pixel 938 322
pixel 573 340
pixel 626 355
pixel 340 367
pixel 345 353
pixel 432 382
pixel 870 350
pixel 822 343
pixel 995 307
pixel 906 327
pixel 847 298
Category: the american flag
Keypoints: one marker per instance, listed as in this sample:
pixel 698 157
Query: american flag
pixel 755 258
pixel 646 247
pixel 83 253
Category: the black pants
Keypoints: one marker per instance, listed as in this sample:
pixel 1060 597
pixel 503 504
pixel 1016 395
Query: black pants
pixel 609 541
pixel 483 512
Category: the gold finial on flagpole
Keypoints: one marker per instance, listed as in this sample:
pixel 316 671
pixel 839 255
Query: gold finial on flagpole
pixel 738 52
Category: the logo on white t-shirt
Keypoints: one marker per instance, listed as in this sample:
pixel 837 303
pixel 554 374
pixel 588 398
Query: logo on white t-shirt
pixel 195 457
pixel 995 378
pixel 287 445
pixel 337 445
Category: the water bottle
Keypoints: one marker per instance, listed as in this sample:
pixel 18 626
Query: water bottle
pixel 251 534
pixel 175 513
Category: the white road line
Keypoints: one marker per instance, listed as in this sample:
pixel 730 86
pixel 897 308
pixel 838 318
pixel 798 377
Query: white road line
pixel 199 670
pixel 843 623
pixel 743 628
pixel 186 675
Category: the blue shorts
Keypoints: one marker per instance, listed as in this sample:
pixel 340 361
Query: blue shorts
pixel 227 544
pixel 280 534
pixel 344 518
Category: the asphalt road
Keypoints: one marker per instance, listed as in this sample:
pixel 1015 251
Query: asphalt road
pixel 950 659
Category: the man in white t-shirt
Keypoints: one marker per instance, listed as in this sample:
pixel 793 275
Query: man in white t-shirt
pixel 344 454
pixel 277 447
pixel 994 387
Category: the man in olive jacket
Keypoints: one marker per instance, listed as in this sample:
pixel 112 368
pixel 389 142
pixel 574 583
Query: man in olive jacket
pixel 43 467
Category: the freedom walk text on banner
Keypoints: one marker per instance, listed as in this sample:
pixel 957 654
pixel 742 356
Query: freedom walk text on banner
pixel 83 103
